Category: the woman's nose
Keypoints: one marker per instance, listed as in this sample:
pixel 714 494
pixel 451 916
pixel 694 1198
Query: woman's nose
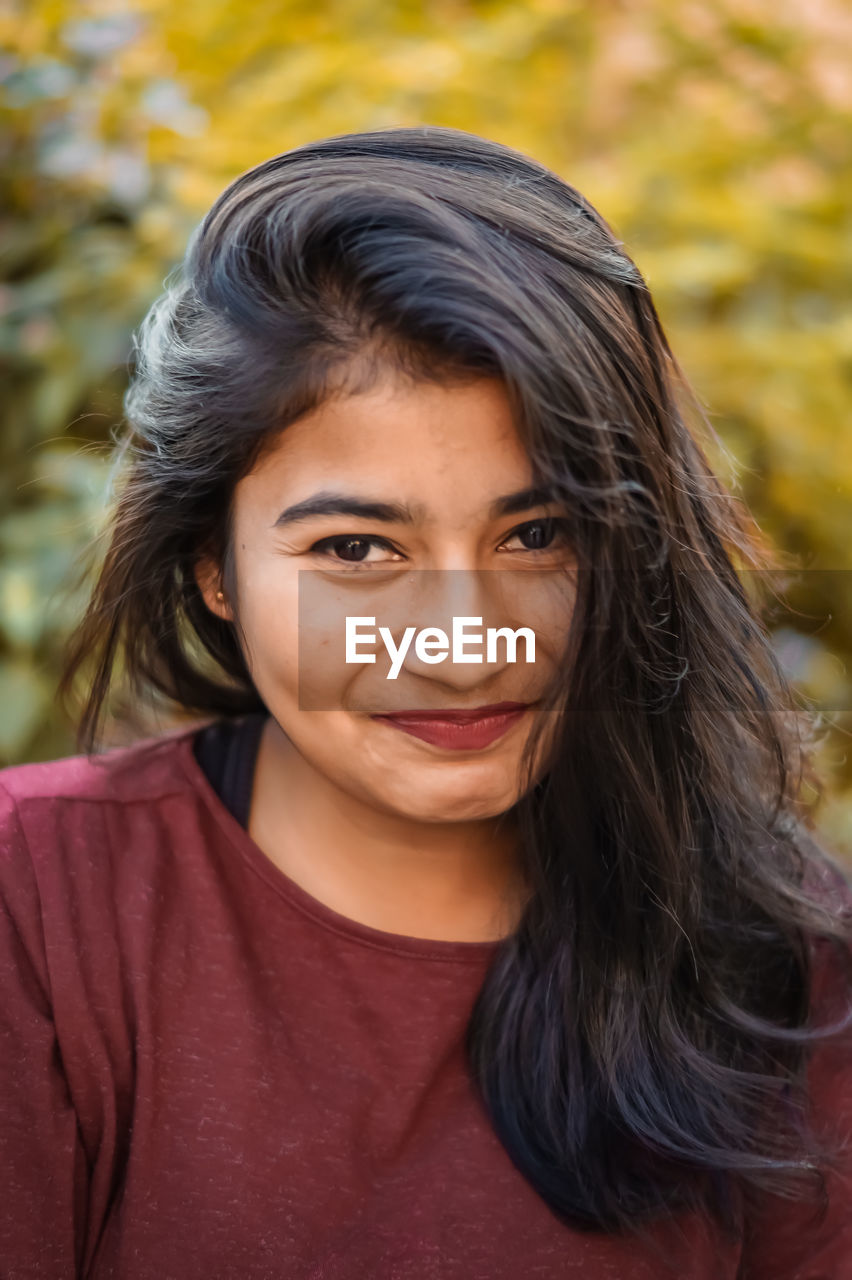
pixel 458 604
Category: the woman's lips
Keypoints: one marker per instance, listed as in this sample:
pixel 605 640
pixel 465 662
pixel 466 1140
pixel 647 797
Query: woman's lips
pixel 458 730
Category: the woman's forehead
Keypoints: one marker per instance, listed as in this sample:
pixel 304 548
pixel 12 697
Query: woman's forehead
pixel 405 440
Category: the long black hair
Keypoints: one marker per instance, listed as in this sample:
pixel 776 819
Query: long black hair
pixel 642 1034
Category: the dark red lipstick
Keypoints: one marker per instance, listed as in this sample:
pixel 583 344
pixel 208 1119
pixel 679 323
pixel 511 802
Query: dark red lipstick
pixel 459 729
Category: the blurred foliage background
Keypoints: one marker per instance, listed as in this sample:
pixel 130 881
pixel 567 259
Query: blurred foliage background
pixel 713 136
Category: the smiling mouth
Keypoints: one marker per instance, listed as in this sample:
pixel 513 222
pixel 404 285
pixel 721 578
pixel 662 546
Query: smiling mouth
pixel 457 716
pixel 459 729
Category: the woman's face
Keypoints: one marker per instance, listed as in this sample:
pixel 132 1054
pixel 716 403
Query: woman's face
pixel 404 504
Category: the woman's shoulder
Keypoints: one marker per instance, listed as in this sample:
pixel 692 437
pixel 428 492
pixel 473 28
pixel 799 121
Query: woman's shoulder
pixel 812 1235
pixel 827 883
pixel 140 771
pixel 81 833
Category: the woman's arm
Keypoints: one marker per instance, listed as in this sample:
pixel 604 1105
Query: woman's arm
pixel 43 1168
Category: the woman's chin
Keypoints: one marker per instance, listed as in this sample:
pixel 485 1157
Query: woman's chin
pixel 433 800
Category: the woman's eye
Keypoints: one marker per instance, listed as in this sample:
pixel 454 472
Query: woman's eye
pixel 359 549
pixel 538 535
pixel 355 549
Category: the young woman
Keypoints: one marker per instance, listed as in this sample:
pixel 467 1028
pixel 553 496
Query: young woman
pixel 499 969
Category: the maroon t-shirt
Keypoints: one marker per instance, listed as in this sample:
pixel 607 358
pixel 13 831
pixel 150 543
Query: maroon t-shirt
pixel 207 1073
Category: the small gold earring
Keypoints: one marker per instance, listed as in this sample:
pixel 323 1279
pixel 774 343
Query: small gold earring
pixel 220 595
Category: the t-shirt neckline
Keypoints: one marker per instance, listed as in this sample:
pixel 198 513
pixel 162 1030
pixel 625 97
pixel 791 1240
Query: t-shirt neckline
pixel 324 915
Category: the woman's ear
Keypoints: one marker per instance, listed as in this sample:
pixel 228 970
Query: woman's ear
pixel 208 576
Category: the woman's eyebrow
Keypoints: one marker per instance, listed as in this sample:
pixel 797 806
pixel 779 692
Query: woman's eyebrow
pixel 342 504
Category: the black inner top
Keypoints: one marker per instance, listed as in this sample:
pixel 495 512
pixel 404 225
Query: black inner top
pixel 227 750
